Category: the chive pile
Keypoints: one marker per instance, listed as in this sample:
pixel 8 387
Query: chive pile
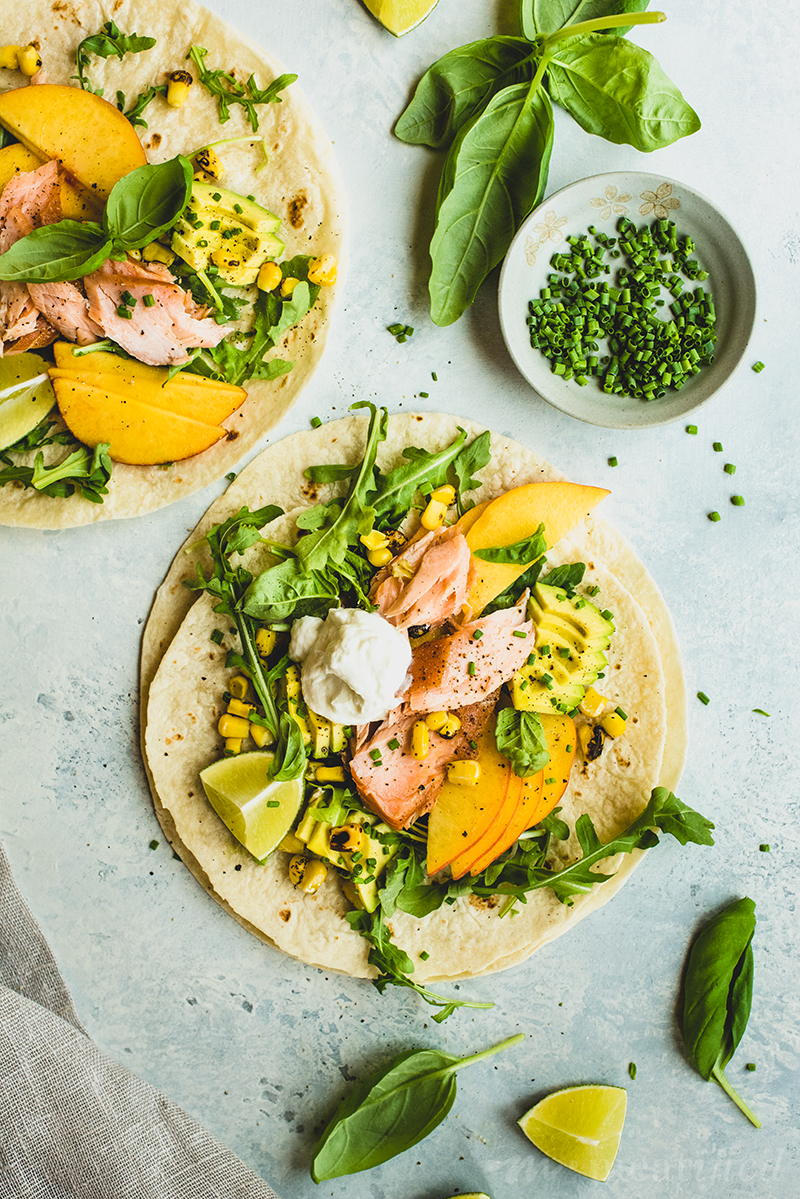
pixel 647 352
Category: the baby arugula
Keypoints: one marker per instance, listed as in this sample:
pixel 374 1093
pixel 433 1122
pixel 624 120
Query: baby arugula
pixel 489 105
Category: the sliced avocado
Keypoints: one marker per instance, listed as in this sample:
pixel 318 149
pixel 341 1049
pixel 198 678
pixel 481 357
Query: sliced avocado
pixel 320 735
pixel 234 233
pixel 365 894
pixel 572 635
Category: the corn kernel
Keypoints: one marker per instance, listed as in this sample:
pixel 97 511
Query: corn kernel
pixel 420 739
pixel 155 252
pixel 585 732
pixel 238 707
pixel 233 726
pixel 288 286
pixel 380 557
pixel 9 58
pixel 30 60
pixel 178 88
pixel 265 642
pixel 374 540
pixel 435 720
pixel 261 735
pixel 269 277
pixel 233 746
pixel 402 570
pixel 433 515
pixel 444 495
pixel 238 686
pixel 291 843
pixel 592 703
pixel 323 270
pixel 330 774
pixel 347 838
pixel 613 724
pixel 209 162
pixel 307 874
pixel 465 774
pixel 450 727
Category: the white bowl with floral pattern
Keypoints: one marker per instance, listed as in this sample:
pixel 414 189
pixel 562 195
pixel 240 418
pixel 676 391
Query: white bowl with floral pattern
pixel 600 201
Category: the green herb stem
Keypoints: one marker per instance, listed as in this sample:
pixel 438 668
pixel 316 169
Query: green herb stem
pixel 477 1057
pixel 719 1076
pixel 601 23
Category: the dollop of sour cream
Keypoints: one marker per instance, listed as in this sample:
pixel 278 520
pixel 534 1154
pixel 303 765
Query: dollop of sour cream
pixel 352 664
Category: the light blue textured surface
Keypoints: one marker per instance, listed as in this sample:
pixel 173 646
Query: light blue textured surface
pixel 259 1047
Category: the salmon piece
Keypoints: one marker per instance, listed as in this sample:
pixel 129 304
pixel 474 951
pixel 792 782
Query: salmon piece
pixel 441 583
pixel 37 194
pixel 158 335
pixel 399 787
pixel 42 334
pixel 464 668
pixel 67 309
pixel 29 200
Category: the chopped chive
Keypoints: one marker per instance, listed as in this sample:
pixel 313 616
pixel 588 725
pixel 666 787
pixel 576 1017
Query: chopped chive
pixel 154 844
pixel 470 668
pixel 423 395
pixel 238 209
pixel 607 614
pixel 691 428
pixel 729 468
pixel 217 636
pixel 394 743
pixel 530 660
pixel 423 957
pixel 316 421
pixel 593 590
pixel 715 516
pixel 613 462
pixel 549 782
pixel 216 196
pixel 434 376
pixel 409 330
pixel 395 329
pixel 718 446
pixel 701 695
pixel 476 636
pixel 519 633
pixel 148 300
pixel 544 650
pixel 124 312
pixel 375 754
pixel 758 368
pixel 563 651
pixel 214 225
pixel 231 475
pixel 128 299
pixel 737 501
pixel 632 1069
pixel 473 744
pixel 273 803
pixel 764 847
pixel 401 337
pixel 750 1066
pixel 760 711
pixel 569 749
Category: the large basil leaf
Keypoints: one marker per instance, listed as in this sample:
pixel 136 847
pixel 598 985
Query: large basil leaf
pixel 618 91
pixel 56 253
pixel 520 738
pixel 147 202
pixel 499 171
pixel 546 16
pixel 456 87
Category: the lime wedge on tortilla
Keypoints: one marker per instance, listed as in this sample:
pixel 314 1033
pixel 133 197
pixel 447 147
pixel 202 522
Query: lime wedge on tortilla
pixel 26 396
pixel 258 810
pixel 400 16
pixel 579 1127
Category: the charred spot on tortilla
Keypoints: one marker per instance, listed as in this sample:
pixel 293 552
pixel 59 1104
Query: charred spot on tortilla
pixel 285 915
pixel 154 142
pixel 296 207
pixel 484 902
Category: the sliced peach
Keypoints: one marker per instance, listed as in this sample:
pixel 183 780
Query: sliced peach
pixel 525 816
pixel 96 144
pixel 487 844
pixel 516 515
pixel 561 736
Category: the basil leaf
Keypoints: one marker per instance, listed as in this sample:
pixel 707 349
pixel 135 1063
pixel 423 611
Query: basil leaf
pixel 521 553
pixel 567 577
pixel 520 738
pixel 56 253
pixel 498 166
pixel 717 993
pixel 546 16
pixel 391 1110
pixel 329 472
pixel 618 91
pixel 456 87
pixel 147 201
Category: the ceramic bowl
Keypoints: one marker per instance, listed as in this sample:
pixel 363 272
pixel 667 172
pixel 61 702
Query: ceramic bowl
pixel 600 201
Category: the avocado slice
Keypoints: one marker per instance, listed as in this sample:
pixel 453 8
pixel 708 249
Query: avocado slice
pixel 572 635
pixel 233 233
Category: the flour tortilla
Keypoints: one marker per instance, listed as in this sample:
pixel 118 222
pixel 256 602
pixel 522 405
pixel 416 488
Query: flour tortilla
pixel 183 676
pixel 300 185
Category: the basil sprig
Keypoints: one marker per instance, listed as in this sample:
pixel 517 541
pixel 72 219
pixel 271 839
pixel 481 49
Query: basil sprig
pixel 489 105
pixel 392 1109
pixel 520 737
pixel 717 993
pixel 142 205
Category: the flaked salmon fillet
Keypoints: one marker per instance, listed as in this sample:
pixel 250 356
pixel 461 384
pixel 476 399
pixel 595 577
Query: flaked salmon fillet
pixel 443 576
pixel 158 335
pixel 28 201
pixel 37 194
pixel 67 309
pixel 399 787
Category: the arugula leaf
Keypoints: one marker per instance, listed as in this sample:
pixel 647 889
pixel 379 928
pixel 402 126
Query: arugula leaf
pixel 421 472
pixel 84 471
pixel 329 472
pixel 228 90
pixel 134 114
pixel 472 458
pixel 520 738
pixel 108 43
pixel 521 553
pixel 285 591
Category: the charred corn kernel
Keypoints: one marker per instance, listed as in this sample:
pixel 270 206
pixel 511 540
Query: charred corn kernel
pixel 30 60
pixel 465 774
pixel 402 570
pixel 592 703
pixel 178 88
pixel 323 270
pixel 435 720
pixel 209 162
pixel 433 515
pixel 238 686
pixel 444 495
pixel 269 277
pixel 288 286
pixel 395 540
pixel 330 774
pixel 155 252
pixel 265 642
pixel 238 707
pixel 347 838
pixel 233 746
pixel 307 874
pixel 9 58
pixel 613 724
pixel 291 843
pixel 420 739
pixel 261 735
pixel 450 727
pixel 293 698
pixel 380 557
pixel 585 734
pixel 233 726
pixel 374 540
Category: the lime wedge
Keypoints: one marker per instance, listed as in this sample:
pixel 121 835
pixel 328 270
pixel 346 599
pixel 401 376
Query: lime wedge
pixel 579 1127
pixel 400 16
pixel 26 396
pixel 257 810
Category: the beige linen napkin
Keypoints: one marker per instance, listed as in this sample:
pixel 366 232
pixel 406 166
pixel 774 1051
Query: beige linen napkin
pixel 73 1123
